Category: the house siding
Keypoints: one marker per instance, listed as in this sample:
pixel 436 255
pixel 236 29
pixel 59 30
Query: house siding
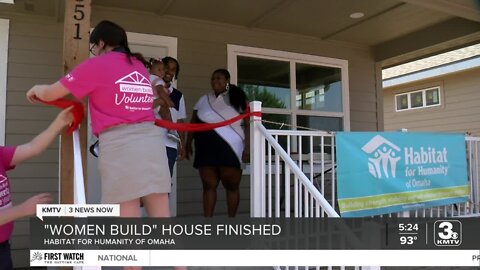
pixel 458 112
pixel 35 57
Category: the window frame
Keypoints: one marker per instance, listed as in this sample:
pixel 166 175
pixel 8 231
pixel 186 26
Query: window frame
pixel 424 99
pixel 236 50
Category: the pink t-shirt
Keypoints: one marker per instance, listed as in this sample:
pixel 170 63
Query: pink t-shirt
pixel 6 155
pixel 118 92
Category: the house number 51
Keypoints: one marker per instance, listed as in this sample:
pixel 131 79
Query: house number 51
pixel 78 15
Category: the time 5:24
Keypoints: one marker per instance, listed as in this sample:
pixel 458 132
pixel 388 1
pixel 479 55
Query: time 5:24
pixel 408 227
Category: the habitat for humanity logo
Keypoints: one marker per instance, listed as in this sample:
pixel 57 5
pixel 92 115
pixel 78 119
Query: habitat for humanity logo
pixel 384 157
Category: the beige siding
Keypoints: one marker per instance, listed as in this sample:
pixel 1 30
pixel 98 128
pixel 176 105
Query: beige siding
pixel 459 111
pixel 35 55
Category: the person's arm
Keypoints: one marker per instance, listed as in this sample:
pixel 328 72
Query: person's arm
pixel 158 102
pixel 188 150
pixel 47 92
pixel 27 208
pixel 44 139
pixel 182 114
pixel 162 94
pixel 246 149
pixel 182 151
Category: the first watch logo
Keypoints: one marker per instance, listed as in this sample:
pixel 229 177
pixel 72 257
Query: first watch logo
pixel 57 258
pixel 36 256
pixel 447 233
pixel 384 155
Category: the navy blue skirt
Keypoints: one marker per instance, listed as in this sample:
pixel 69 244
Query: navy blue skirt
pixel 212 151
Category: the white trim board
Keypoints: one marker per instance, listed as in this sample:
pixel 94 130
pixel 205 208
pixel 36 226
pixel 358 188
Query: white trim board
pixel 4 28
pixel 433 72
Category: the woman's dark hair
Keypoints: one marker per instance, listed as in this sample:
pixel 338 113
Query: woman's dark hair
pixel 112 35
pixel 168 59
pixel 236 96
pixel 140 58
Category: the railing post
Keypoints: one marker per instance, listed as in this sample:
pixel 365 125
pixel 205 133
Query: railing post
pixel 256 166
pixel 78 185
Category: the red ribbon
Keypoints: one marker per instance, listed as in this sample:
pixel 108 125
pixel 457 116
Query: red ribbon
pixel 193 127
pixel 77 111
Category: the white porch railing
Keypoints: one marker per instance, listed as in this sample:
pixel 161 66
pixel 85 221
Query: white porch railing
pixel 291 190
pixel 303 195
pixel 471 207
pixel 78 184
pixel 302 179
pixel 294 172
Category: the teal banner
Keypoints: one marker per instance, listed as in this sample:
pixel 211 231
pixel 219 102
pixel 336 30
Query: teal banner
pixel 386 172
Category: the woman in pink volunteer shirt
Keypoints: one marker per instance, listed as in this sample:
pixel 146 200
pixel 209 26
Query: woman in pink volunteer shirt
pixel 120 98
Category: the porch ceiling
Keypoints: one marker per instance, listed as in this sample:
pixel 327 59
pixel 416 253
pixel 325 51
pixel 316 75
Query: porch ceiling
pixel 398 30
pixel 411 28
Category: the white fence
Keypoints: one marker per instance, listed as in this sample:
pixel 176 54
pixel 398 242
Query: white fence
pixel 78 184
pixel 293 174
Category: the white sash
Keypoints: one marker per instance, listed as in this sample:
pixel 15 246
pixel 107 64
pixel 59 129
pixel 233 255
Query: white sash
pixel 215 109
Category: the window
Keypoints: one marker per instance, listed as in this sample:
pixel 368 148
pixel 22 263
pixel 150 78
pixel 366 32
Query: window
pixel 295 89
pixel 428 97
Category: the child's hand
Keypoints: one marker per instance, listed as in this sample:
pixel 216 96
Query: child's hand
pixel 164 96
pixel 181 153
pixel 32 94
pixel 29 207
pixel 65 117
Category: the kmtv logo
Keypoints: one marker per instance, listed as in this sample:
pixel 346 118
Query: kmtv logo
pixel 384 157
pixel 447 233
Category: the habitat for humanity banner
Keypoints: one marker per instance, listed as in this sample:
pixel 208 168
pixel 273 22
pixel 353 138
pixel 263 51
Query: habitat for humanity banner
pixel 386 172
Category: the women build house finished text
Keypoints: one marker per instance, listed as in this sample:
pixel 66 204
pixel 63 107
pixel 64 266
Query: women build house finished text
pixel 163 229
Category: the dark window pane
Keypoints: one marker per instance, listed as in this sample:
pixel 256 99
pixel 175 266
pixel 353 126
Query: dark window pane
pixel 265 80
pixel 432 97
pixel 402 102
pixel 277 121
pixel 416 99
pixel 320 123
pixel 318 88
pixel 317 146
